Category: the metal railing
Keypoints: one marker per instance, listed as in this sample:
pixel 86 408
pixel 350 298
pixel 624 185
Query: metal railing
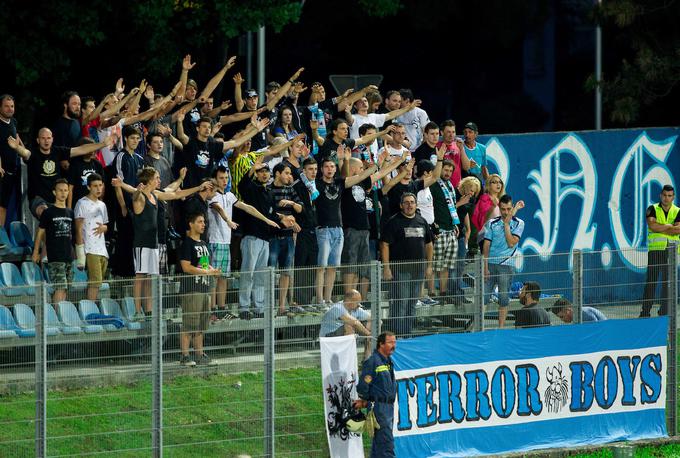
pixel 87 379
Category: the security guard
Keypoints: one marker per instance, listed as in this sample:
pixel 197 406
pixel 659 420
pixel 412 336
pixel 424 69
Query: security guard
pixel 663 225
pixel 377 385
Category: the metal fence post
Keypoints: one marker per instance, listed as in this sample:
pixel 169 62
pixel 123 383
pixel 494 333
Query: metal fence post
pixel 577 286
pixel 478 317
pixel 376 312
pixel 40 372
pixel 269 389
pixel 672 391
pixel 157 365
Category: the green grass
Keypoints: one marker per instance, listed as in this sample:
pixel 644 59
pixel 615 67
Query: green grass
pixel 203 416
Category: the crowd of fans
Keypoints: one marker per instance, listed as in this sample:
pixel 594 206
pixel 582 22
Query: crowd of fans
pixel 142 183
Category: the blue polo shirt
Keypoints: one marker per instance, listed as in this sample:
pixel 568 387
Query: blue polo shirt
pixel 494 231
pixel 478 154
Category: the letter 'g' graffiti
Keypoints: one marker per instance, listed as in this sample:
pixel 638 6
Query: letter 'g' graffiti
pixel 642 197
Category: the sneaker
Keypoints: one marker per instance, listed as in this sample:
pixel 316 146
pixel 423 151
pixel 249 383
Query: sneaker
pixel 139 316
pixel 204 360
pixel 245 315
pixel 428 301
pixel 419 304
pixel 186 360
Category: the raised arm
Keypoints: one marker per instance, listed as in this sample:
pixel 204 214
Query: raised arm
pixel 356 179
pixel 396 113
pixel 260 125
pixel 370 137
pixel 236 117
pixel 389 167
pixel 215 80
pixel 90 147
pixel 17 145
pixel 436 173
pixel 254 212
pixel 354 96
pixel 181 136
pixel 220 108
pixel 134 104
pixel 238 93
pixel 119 105
pixel 284 89
pixel 276 149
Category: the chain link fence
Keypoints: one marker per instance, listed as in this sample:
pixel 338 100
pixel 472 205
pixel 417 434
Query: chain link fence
pixel 172 373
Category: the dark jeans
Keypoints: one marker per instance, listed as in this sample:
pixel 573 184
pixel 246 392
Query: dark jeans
pixel 657 263
pixel 306 252
pixel 404 293
pixel 456 276
pixel 122 263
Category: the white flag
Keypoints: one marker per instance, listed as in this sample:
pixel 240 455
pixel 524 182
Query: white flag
pixel 340 376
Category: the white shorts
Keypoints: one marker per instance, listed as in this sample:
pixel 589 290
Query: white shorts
pixel 147 260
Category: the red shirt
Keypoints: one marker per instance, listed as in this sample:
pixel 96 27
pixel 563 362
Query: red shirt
pixel 453 154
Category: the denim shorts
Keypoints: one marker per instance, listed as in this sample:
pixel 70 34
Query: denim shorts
pixel 330 241
pixel 282 253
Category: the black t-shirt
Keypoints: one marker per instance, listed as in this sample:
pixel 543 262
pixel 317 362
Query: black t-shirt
pixel 651 212
pixel 78 173
pixel 66 132
pixel 424 151
pixel 43 171
pixel 330 150
pixel 163 168
pixel 407 237
pixel 198 254
pixel 328 202
pixel 354 206
pixel 260 197
pixel 59 230
pixel 10 158
pixel 414 187
pixel 531 316
pixel 306 219
pixel 200 158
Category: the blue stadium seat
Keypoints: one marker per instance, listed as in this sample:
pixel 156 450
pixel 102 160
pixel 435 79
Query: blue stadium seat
pixel 111 307
pixel 69 315
pixel 25 319
pixel 13 282
pixel 53 321
pixel 33 275
pixel 9 248
pixel 87 307
pixel 80 280
pixel 8 327
pixel 128 306
pixel 20 236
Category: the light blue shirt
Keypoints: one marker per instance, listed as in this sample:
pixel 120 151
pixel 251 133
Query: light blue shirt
pixel 494 231
pixel 331 321
pixel 478 154
pixel 591 314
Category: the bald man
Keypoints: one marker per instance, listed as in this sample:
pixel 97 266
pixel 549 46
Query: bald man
pixel 346 318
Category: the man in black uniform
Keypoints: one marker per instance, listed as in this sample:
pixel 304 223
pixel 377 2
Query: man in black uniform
pixel 531 315
pixel 378 385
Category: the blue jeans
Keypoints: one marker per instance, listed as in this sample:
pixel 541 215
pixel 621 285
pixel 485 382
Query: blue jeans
pixel 282 253
pixel 404 293
pixel 330 241
pixel 502 276
pixel 254 256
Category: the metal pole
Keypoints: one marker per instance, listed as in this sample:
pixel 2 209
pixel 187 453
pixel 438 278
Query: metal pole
pixel 269 390
pixel 598 74
pixel 260 63
pixel 376 287
pixel 249 59
pixel 40 371
pixel 672 391
pixel 478 317
pixel 157 365
pixel 577 285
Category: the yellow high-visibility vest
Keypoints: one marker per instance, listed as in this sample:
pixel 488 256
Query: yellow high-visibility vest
pixel 657 241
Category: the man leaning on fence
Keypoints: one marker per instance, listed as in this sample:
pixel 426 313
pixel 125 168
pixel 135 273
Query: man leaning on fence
pixel 377 385
pixel 663 225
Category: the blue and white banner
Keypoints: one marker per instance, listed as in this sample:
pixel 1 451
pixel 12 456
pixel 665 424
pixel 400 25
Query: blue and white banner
pixel 517 390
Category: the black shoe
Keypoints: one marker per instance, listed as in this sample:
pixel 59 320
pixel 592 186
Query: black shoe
pixel 245 315
pixel 258 314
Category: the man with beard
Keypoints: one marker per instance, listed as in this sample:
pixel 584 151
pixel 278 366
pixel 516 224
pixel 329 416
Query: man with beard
pixel 531 315
pixel 67 130
pixel 9 160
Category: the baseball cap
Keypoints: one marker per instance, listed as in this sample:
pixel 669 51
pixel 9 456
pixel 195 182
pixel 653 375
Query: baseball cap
pixel 192 83
pixel 264 167
pixel 251 93
pixel 471 126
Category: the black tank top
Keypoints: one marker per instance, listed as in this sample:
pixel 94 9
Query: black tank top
pixel 146 226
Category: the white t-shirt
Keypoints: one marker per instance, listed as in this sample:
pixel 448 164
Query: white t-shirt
pixel 414 122
pixel 377 119
pixel 395 154
pixel 117 129
pixel 425 205
pixel 218 229
pixel 92 212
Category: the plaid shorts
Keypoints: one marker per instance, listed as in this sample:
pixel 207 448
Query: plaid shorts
pixel 60 273
pixel 220 257
pixel 445 251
